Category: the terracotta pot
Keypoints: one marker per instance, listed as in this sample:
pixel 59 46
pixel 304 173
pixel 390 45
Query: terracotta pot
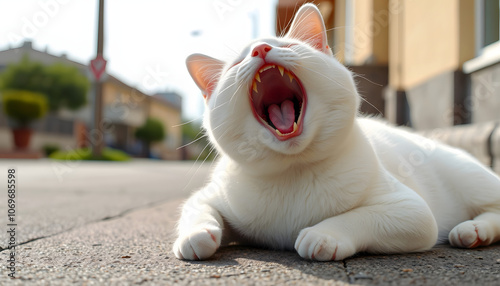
pixel 22 137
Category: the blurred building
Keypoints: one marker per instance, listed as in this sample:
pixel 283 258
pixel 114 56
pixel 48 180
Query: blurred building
pixel 423 63
pixel 125 109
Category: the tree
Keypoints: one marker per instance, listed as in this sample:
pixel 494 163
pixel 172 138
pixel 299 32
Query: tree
pixel 63 85
pixel 151 131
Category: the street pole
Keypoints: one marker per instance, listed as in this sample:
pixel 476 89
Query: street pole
pixel 98 141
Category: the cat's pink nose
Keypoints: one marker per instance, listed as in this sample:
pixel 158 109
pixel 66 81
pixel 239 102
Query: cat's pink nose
pixel 261 50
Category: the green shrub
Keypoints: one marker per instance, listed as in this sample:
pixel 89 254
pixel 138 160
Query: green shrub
pixel 49 149
pixel 63 85
pixel 108 154
pixel 24 106
pixel 75 154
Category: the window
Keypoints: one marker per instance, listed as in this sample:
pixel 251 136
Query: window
pixel 487 33
pixel 487 24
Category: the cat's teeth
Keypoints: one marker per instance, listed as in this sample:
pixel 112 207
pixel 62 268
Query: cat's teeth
pixel 257 77
pixel 295 127
pixel 255 87
pixel 282 70
pixel 266 68
pixel 290 76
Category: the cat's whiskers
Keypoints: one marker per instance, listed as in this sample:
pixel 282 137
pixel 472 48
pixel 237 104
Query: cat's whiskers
pixel 208 156
pixel 298 23
pixel 329 78
pixel 216 156
pixel 361 97
pixel 194 163
pixel 195 140
pixel 187 122
pixel 222 91
pixel 197 158
pixel 231 49
pixel 219 106
pixel 289 22
pixel 201 164
pixel 313 56
pixel 209 144
pixel 354 75
pixel 232 96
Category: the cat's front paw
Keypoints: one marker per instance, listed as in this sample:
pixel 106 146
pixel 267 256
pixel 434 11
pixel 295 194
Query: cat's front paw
pixel 199 244
pixel 469 234
pixel 318 245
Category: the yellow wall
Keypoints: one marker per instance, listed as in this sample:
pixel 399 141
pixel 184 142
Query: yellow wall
pixel 171 118
pixel 396 38
pixel 128 106
pixel 363 31
pixel 123 104
pixel 339 31
pixel 428 38
pixel 380 18
pixel 369 32
pixel 431 45
pixel 418 39
pixel 466 31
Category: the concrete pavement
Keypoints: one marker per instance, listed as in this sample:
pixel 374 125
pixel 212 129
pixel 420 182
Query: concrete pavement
pixel 102 223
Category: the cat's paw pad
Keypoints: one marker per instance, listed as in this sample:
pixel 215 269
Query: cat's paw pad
pixel 315 245
pixel 198 245
pixel 469 234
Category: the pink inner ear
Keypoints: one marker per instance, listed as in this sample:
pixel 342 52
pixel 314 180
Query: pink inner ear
pixel 308 27
pixel 205 72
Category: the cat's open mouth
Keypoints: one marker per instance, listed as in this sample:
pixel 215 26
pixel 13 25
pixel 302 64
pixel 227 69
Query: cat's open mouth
pixel 278 101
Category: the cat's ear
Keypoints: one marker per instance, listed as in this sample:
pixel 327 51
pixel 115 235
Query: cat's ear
pixel 205 72
pixel 308 26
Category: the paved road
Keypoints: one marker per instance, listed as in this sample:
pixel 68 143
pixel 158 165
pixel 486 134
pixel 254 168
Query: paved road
pixel 101 223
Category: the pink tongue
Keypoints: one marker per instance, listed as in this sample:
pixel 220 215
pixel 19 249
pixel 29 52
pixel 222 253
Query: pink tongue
pixel 283 117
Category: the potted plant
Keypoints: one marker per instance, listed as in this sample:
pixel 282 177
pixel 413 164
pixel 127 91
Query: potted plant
pixel 23 107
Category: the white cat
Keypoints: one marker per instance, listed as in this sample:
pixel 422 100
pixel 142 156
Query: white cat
pixel 300 169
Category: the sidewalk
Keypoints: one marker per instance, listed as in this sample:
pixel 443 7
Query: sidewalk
pixel 101 223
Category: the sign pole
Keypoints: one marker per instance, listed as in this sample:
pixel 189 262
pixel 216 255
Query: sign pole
pixel 98 66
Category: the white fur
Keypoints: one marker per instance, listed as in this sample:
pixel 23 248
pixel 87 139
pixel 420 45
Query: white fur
pixel 346 184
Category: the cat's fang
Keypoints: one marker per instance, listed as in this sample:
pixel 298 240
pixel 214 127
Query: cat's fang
pixel 265 68
pixel 281 69
pixel 255 87
pixel 257 77
pixel 290 76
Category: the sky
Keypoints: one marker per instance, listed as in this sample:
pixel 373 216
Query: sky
pixel 146 41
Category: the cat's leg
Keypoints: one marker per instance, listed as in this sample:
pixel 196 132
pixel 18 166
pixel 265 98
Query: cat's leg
pixel 391 223
pixel 482 230
pixel 199 230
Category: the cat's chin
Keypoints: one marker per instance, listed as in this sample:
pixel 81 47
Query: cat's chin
pixel 278 100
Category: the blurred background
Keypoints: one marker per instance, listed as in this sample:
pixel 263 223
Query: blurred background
pixel 433 66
